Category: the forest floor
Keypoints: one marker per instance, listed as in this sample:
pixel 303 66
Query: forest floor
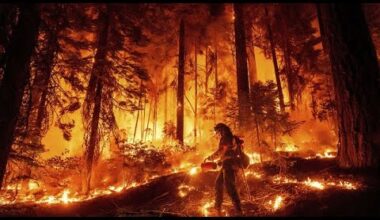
pixel 181 194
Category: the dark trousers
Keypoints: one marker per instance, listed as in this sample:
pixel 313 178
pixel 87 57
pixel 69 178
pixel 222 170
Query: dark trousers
pixel 226 177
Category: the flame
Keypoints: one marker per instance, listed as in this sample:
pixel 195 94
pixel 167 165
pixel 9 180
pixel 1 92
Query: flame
pixel 254 174
pixel 183 190
pixel 65 198
pixel 288 148
pixel 277 203
pixel 314 184
pixel 194 171
pixel 326 154
pixel 32 185
pixel 317 184
pixel 347 185
pixel 254 158
pixel 205 208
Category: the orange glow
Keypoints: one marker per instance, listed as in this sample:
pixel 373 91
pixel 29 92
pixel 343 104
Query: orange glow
pixel 112 175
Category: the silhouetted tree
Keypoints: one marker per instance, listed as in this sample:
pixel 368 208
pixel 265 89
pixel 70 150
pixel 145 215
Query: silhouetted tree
pixel 16 76
pixel 355 76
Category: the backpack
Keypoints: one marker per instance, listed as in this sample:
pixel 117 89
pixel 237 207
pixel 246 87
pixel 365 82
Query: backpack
pixel 243 158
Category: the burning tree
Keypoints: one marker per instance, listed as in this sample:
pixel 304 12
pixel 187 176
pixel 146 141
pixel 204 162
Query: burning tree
pixel 114 60
pixel 267 116
pixel 118 68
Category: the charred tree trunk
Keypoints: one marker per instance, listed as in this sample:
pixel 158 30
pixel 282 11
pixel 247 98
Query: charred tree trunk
pixel 252 65
pixel 8 16
pixel 241 68
pixel 181 86
pixel 143 118
pixel 208 69
pixel 156 98
pixel 16 77
pixel 321 31
pixel 138 113
pixel 147 124
pixel 252 72
pixel 356 81
pixel 96 99
pixel 196 91
pixel 166 99
pixel 94 136
pixel 275 64
pixel 216 81
pixel 287 57
pixel 41 83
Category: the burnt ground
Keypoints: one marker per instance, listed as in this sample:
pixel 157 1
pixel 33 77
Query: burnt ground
pixel 161 197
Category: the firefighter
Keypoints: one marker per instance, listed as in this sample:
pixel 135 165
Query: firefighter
pixel 227 152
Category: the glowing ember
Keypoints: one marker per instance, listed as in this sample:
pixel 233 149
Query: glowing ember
pixel 182 193
pixel 283 179
pixel 317 184
pixel 65 198
pixel 314 184
pixel 288 148
pixel 327 154
pixel 205 208
pixel 116 189
pixel 277 203
pixel 51 199
pixel 193 171
pixel 32 185
pixel 347 185
pixel 183 190
pixel 254 174
pixel 253 158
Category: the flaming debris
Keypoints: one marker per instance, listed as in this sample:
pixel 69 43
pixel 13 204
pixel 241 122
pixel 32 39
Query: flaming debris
pixel 27 192
pixel 205 208
pixel 183 190
pixel 320 185
pixel 277 203
pixel 314 184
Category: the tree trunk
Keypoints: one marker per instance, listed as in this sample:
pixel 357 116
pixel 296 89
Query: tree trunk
pixel 147 124
pixel 16 77
pixel 8 15
pixel 207 61
pixel 41 84
pixel 275 64
pixel 258 139
pixel 356 81
pixel 166 99
pixel 94 136
pixel 216 81
pixel 252 70
pixel 181 86
pixel 142 125
pixel 138 116
pixel 156 98
pixel 287 58
pixel 196 91
pixel 321 31
pixel 97 71
pixel 241 68
pixel 252 65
